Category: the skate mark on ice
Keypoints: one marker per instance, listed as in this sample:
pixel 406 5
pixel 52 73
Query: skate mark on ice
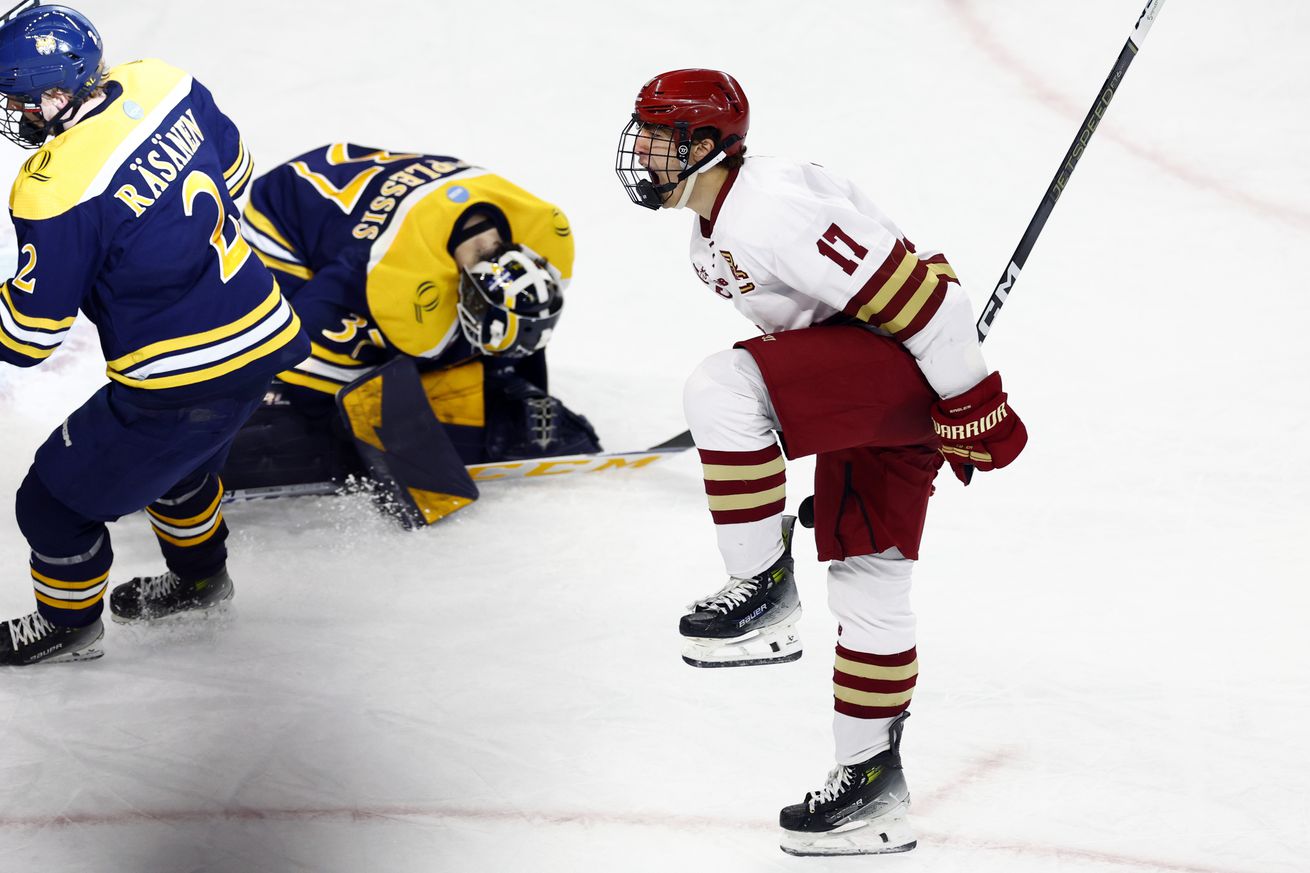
pixel 636 818
pixel 1063 104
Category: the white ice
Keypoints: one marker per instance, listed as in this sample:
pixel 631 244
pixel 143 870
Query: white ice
pixel 1116 666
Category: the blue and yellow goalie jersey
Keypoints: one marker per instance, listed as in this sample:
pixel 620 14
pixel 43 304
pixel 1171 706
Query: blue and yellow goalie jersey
pixel 129 217
pixel 361 240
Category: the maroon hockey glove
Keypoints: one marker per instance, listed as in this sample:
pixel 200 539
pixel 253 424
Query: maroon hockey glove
pixel 978 429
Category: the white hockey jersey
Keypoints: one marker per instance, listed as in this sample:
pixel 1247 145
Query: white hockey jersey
pixel 793 245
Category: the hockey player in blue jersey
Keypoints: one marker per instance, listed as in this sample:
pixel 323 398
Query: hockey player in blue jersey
pixel 125 211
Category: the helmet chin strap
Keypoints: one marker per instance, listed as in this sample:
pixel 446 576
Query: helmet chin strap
pixel 688 184
pixel 61 120
pixel 690 176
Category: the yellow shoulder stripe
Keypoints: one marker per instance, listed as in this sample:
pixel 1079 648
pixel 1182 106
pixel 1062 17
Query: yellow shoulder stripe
pixel 80 163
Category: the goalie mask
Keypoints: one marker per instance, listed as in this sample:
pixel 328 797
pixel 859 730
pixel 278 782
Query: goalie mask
pixel 509 302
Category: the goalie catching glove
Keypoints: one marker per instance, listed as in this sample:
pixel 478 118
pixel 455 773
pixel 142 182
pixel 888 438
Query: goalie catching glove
pixel 978 429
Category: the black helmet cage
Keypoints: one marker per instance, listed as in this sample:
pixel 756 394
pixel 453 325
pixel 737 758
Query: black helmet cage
pixel 641 183
pixel 21 127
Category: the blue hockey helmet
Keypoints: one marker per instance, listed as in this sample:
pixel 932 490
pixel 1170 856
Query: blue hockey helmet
pixel 44 48
pixel 509 302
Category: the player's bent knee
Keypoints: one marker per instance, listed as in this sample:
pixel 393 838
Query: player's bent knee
pixel 41 516
pixel 721 378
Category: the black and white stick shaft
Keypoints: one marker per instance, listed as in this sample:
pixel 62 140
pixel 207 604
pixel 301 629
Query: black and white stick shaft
pixel 1020 256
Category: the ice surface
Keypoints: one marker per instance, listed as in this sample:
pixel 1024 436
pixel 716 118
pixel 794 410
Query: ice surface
pixel 1113 632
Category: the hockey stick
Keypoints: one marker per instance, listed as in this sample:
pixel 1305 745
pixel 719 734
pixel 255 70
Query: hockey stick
pixel 1020 256
pixel 530 468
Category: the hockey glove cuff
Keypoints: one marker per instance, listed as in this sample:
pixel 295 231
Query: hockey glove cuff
pixel 978 429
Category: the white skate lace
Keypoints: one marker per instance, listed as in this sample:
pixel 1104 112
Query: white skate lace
pixel 838 779
pixel 730 596
pixel 28 629
pixel 155 587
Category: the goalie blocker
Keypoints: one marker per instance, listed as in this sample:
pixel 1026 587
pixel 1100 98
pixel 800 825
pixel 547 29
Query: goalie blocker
pixel 394 426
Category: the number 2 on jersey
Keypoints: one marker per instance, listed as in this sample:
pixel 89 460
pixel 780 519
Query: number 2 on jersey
pixel 835 235
pixel 230 256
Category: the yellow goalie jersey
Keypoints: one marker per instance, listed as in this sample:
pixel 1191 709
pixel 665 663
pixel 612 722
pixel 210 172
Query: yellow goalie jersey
pixel 362 241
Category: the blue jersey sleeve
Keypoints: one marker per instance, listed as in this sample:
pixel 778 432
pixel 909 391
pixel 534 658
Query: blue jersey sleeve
pixel 237 164
pixel 57 262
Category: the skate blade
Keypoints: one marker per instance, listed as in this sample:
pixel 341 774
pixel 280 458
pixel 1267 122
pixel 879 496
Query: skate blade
pixel 880 836
pixel 779 644
pixel 89 652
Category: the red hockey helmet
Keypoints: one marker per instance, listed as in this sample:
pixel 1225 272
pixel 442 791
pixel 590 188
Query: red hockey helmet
pixel 690 99
pixel 684 101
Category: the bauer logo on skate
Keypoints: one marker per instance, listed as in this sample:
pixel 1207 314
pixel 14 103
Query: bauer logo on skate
pixel 973 428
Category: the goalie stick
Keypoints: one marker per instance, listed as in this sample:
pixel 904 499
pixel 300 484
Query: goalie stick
pixel 1044 209
pixel 529 468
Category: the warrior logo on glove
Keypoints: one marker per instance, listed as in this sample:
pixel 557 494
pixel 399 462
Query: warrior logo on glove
pixel 979 429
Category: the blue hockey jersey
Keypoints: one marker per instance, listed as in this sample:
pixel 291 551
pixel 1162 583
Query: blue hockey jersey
pixel 129 217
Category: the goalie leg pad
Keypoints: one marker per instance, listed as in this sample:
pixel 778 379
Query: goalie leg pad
pixel 404 447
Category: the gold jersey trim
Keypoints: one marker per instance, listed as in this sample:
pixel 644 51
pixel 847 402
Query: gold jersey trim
pixel 268 347
pixel 73 167
pixel 284 266
pixel 183 343
pixel 51 324
pixel 293 377
pixel 261 222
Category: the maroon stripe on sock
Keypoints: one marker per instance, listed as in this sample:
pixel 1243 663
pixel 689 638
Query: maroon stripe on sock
pixel 741 459
pixel 875 686
pixel 720 488
pixel 900 659
pixel 742 516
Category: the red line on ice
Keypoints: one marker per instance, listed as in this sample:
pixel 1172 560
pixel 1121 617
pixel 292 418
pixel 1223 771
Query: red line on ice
pixel 1003 57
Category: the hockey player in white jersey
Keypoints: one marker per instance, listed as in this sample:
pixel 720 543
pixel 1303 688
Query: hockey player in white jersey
pixel 869 360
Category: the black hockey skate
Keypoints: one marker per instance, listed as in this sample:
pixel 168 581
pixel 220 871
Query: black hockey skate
pixel 33 640
pixel 749 621
pixel 149 598
pixel 862 810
